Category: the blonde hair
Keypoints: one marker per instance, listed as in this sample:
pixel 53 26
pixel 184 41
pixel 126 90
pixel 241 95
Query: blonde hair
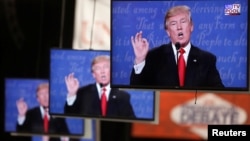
pixel 175 11
pixel 98 59
pixel 42 86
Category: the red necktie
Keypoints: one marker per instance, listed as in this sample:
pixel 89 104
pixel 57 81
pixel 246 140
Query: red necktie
pixel 46 121
pixel 181 67
pixel 104 102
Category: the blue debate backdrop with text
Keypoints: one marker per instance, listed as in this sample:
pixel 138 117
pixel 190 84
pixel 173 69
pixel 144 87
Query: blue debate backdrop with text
pixel 16 88
pixel 216 31
pixel 66 61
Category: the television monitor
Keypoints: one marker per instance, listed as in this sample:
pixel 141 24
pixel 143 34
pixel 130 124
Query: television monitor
pixel 219 27
pixel 138 103
pixel 25 89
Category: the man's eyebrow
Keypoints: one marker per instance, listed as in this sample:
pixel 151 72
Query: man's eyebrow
pixel 172 21
pixel 179 20
pixel 184 18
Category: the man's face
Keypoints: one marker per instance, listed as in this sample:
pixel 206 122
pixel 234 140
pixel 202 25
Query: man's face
pixel 101 72
pixel 43 96
pixel 179 29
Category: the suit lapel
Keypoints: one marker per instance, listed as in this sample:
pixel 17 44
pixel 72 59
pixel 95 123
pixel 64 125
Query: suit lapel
pixel 192 67
pixel 95 109
pixel 112 106
pixel 37 120
pixel 168 68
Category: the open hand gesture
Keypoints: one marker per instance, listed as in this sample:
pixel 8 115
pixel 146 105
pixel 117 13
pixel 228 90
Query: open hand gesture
pixel 140 46
pixel 72 84
pixel 22 107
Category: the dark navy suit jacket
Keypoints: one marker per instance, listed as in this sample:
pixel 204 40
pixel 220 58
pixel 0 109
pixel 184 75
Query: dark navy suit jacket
pixel 34 124
pixel 161 71
pixel 88 103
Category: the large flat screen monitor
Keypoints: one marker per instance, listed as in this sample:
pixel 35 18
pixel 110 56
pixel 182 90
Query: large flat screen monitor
pixel 145 44
pixel 25 102
pixel 77 78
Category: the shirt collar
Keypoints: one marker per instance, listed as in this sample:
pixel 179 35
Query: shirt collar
pixel 100 89
pixel 42 111
pixel 186 48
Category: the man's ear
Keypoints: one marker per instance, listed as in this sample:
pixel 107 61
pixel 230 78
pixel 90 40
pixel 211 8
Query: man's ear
pixel 37 99
pixel 93 74
pixel 167 32
pixel 192 26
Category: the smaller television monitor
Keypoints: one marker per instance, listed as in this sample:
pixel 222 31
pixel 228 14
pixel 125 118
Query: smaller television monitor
pixel 76 81
pixel 215 40
pixel 26 100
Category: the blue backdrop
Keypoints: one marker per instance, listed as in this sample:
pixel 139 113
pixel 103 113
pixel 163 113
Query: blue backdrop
pixel 223 35
pixel 15 88
pixel 66 61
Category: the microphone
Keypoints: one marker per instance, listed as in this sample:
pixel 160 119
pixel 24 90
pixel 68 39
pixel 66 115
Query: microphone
pixel 177 46
pixel 101 85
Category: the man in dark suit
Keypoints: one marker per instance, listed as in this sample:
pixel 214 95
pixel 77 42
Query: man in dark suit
pixel 32 120
pixel 158 67
pixel 86 100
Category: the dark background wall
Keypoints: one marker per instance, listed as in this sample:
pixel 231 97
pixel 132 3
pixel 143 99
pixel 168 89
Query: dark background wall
pixel 28 29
